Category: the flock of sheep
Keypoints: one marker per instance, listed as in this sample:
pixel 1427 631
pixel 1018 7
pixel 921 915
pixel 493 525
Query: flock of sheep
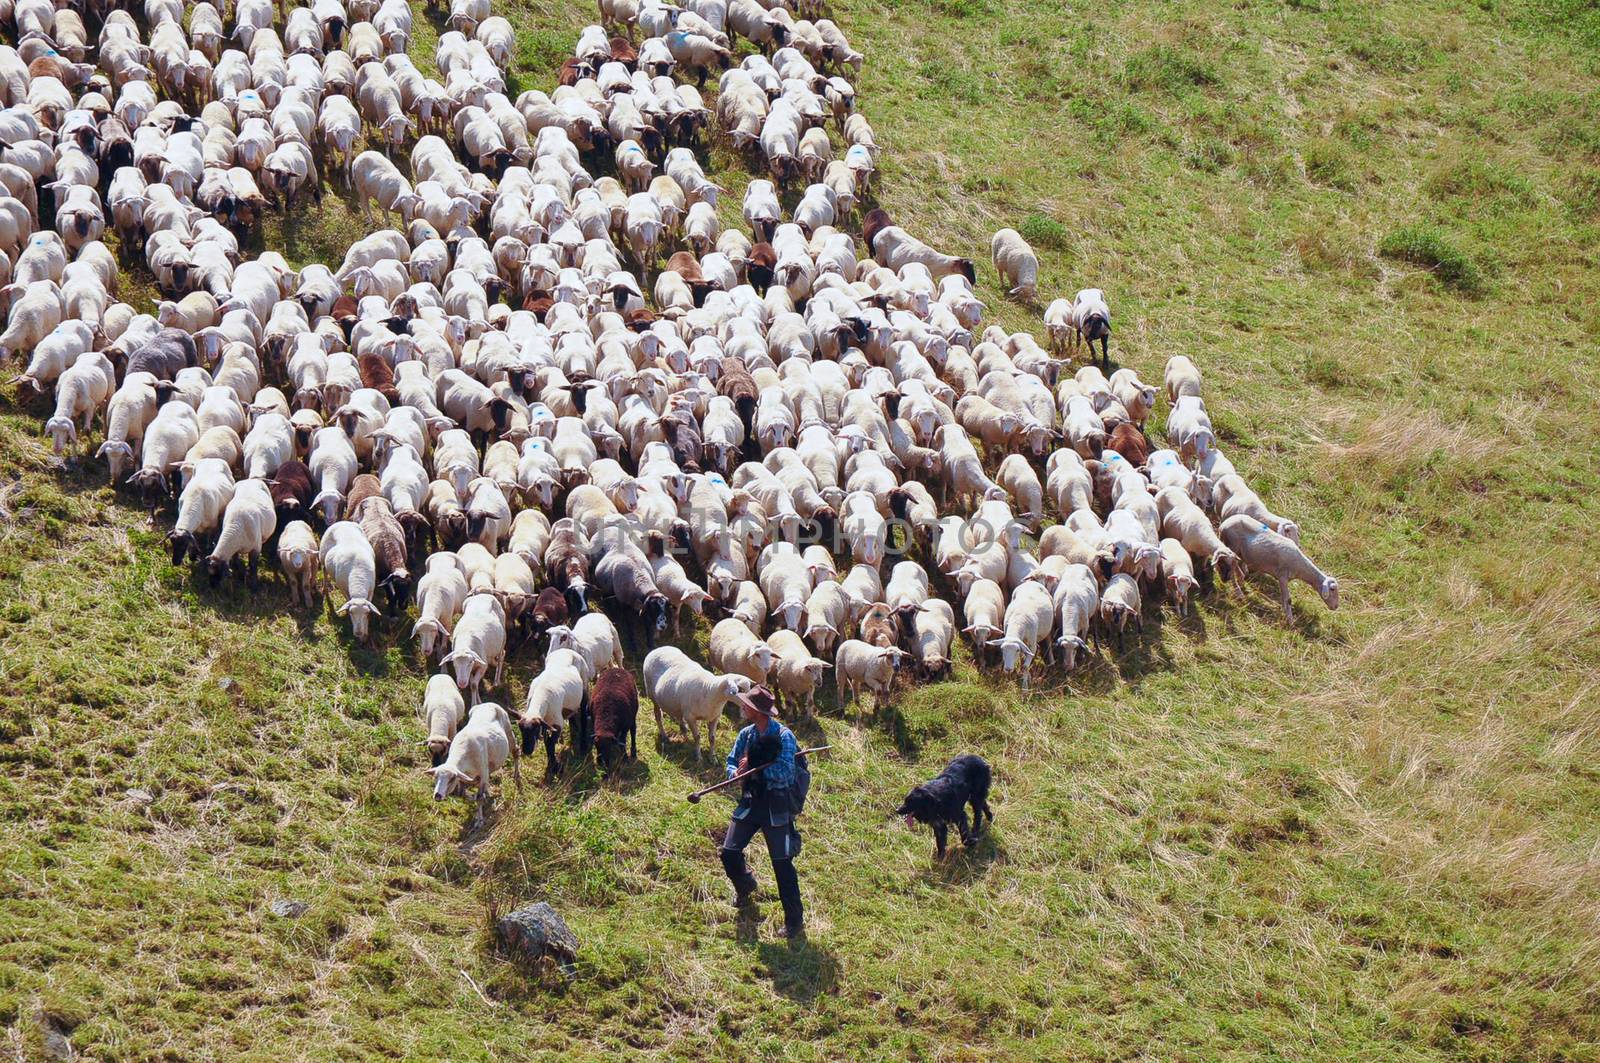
pixel 509 409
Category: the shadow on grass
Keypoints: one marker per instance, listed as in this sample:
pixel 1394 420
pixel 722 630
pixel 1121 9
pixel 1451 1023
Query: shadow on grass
pixel 800 970
pixel 963 865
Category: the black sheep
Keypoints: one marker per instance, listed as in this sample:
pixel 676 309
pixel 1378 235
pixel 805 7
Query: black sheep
pixel 292 491
pixel 615 706
pixel 549 610
pixel 164 354
pixel 735 382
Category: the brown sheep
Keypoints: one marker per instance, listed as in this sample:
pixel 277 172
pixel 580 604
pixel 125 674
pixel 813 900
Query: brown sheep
pixel 388 539
pixel 292 492
pixel 735 382
pixel 362 488
pixel 875 222
pixel 688 267
pixel 614 703
pixel 622 51
pixel 378 374
pixel 759 265
pixel 1126 439
pixel 549 610
pixel 880 626
pixel 566 564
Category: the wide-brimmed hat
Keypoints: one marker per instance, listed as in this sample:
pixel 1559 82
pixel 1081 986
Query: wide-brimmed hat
pixel 760 699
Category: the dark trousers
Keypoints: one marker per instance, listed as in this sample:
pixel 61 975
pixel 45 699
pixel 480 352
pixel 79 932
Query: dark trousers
pixel 783 843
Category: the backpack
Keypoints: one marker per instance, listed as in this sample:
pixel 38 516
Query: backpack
pixel 801 786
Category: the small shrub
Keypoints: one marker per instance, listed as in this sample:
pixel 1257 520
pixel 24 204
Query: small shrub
pixel 1209 155
pixel 1167 69
pixel 1429 246
pixel 1473 178
pixel 1581 193
pixel 1111 121
pixel 1040 230
pixel 1327 163
pixel 948 82
pixel 1326 371
pixel 963 8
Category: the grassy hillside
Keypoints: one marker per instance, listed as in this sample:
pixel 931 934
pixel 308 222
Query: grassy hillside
pixel 1368 836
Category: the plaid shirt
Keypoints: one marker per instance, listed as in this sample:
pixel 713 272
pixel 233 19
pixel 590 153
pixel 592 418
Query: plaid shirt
pixel 779 774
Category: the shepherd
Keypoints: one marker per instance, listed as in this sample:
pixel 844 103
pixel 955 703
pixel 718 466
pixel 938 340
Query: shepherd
pixel 769 802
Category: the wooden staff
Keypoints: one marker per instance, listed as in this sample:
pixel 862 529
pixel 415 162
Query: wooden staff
pixel 695 797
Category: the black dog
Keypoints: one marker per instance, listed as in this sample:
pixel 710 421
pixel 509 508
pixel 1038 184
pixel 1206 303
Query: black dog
pixel 944 800
pixel 762 750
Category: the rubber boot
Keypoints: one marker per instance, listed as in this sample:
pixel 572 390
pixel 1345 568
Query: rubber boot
pixel 744 883
pixel 794 913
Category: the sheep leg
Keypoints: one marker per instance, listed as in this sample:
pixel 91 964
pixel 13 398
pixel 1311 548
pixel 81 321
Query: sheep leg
pixel 1283 596
pixel 549 754
pixel 661 729
pixel 967 837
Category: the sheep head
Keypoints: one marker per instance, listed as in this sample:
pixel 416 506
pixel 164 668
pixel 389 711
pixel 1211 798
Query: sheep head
pixel 1014 651
pixel 1329 590
pixel 446 780
pixel 360 611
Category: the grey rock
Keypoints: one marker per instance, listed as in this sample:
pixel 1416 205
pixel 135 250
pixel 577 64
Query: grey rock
pixel 535 931
pixel 139 797
pixel 289 909
pixel 228 685
pixel 56 1045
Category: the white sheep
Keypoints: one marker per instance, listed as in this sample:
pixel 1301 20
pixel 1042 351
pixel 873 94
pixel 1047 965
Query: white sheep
pixel 933 630
pixel 441 592
pixel 349 562
pixel 442 711
pixel 130 412
pixel 204 499
pixel 795 672
pixel 1058 323
pixel 828 614
pixel 861 666
pixel 1181 378
pixel 1016 263
pixel 594 638
pixel 478 643
pixel 674 582
pixel 1028 621
pixel 1186 522
pixel 247 524
pixel 733 648
pixel 1177 574
pixel 786 582
pixel 81 391
pixel 1016 475
pixel 1230 496
pixel 1263 550
pixel 477 751
pixel 1076 602
pixel 1119 603
pixel 1136 396
pixel 299 555
pixel 555 696
pixel 687 692
pixel 1189 429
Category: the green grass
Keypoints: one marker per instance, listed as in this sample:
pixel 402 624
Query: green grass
pixel 1367 836
pixel 1434 249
